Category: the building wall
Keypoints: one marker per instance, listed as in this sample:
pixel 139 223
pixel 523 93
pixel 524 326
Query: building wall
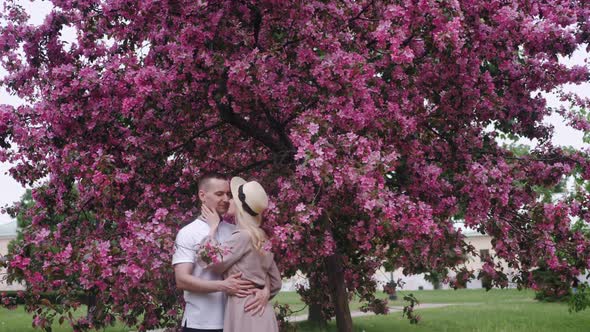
pixel 3 251
pixel 415 282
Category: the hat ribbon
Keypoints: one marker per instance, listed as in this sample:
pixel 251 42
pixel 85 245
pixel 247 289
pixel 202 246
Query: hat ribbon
pixel 245 205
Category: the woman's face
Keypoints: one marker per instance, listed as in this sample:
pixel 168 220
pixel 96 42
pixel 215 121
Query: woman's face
pixel 232 208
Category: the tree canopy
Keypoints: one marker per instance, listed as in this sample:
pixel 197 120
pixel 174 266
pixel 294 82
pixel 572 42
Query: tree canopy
pixel 371 123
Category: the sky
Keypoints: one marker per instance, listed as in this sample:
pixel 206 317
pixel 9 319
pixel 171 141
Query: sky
pixel 11 191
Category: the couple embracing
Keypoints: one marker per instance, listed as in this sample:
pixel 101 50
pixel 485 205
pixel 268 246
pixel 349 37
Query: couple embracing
pixel 226 274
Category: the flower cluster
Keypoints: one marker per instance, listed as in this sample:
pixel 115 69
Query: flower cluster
pixel 211 253
pixel 373 126
pixel 377 306
pixel 390 288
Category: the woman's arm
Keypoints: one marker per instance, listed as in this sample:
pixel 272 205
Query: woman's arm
pixel 227 253
pixel 274 276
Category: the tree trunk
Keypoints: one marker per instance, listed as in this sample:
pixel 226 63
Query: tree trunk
pixel 316 317
pixel 91 309
pixel 339 295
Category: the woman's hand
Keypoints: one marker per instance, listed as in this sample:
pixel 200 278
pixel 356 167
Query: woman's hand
pixel 211 217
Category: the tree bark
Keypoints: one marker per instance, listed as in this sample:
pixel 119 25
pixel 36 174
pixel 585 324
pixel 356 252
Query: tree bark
pixel 335 272
pixel 91 309
pixel 316 317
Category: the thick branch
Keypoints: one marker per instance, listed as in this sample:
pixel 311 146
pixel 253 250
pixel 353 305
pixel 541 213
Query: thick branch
pixel 279 129
pixel 257 22
pixel 255 165
pixel 197 134
pixel 364 10
pixel 227 114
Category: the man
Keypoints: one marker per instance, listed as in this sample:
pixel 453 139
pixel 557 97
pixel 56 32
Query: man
pixel 205 291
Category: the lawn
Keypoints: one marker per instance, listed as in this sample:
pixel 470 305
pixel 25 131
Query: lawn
pixel 473 310
pixel 547 317
pixel 18 320
pixel 428 296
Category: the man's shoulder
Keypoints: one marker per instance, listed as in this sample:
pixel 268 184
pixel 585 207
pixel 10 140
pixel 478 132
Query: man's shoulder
pixel 227 226
pixel 195 228
pixel 225 230
pixel 196 224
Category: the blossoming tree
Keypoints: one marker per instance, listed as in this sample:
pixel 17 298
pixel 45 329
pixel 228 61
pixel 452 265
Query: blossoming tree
pixel 372 124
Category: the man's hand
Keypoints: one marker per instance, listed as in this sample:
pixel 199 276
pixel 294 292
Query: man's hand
pixel 235 286
pixel 257 304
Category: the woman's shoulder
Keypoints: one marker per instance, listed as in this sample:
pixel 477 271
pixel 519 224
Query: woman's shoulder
pixel 240 235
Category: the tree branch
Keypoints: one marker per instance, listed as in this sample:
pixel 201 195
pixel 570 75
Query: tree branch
pixel 278 128
pixel 227 114
pixel 257 22
pixel 252 166
pixel 197 134
pixel 364 10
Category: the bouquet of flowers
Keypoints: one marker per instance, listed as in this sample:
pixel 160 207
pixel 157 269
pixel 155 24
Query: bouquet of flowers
pixel 211 252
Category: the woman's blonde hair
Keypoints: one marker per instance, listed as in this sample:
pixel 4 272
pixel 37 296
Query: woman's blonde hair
pixel 251 224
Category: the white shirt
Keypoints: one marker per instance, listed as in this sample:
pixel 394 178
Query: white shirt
pixel 203 310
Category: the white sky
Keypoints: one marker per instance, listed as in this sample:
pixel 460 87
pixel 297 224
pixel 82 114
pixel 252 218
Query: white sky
pixel 11 191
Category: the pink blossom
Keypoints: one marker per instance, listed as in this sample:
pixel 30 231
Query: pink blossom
pixel 372 126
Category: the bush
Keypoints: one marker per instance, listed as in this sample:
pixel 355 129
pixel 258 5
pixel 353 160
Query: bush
pixel 551 287
pixel 11 298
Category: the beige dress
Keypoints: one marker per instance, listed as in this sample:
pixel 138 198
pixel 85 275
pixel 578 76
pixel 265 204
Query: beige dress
pixel 242 257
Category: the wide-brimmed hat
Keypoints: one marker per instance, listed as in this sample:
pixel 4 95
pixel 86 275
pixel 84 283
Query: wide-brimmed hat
pixel 249 197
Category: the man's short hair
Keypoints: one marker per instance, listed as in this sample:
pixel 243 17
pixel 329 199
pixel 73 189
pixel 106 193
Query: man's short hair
pixel 205 178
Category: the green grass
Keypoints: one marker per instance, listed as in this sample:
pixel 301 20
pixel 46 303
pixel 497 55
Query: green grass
pixel 474 310
pixel 497 318
pixel 430 296
pixel 18 320
pixel 468 296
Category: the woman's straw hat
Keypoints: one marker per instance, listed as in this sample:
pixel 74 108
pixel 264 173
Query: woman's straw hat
pixel 249 197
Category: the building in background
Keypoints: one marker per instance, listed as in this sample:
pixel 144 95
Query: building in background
pixel 483 246
pixel 7 234
pixel 481 242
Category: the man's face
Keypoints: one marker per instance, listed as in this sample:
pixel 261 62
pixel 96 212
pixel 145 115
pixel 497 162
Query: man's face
pixel 216 195
pixel 232 208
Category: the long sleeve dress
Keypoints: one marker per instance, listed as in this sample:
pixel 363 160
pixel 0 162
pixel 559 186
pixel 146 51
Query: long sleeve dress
pixel 238 255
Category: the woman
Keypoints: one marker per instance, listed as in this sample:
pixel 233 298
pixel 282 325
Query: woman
pixel 244 253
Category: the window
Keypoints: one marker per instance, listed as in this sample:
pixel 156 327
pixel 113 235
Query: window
pixel 484 254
